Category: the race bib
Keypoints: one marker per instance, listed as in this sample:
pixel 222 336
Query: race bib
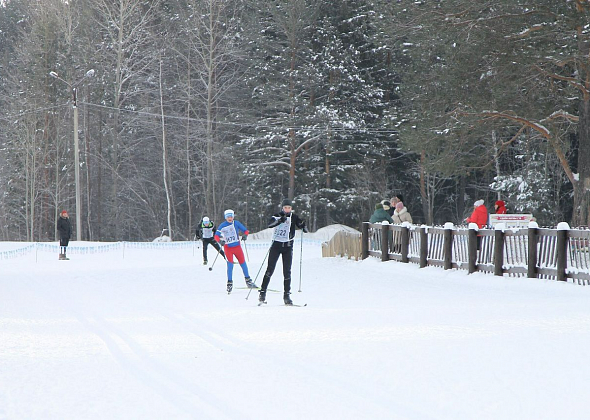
pixel 230 234
pixel 281 233
pixel 208 232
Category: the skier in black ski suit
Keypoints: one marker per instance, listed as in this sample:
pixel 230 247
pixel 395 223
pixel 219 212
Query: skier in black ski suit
pixel 64 228
pixel 284 223
pixel 206 232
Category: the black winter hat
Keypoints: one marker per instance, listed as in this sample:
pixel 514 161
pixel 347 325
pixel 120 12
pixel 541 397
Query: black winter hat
pixel 286 202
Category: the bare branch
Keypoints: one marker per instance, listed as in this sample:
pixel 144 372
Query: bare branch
pixel 275 163
pixel 539 129
pixel 306 142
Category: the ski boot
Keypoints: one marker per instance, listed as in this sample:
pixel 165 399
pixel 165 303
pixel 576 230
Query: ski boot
pixel 230 286
pixel 250 283
pixel 287 299
pixel 262 296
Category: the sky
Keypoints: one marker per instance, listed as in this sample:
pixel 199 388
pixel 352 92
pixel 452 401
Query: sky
pixel 151 333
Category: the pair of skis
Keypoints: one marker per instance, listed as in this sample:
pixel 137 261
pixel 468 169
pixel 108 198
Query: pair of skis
pixel 230 288
pixel 292 304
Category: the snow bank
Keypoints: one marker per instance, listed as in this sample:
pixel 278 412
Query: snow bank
pixel 322 235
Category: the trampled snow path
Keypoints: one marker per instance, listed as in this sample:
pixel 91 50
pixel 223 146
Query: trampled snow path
pixel 154 335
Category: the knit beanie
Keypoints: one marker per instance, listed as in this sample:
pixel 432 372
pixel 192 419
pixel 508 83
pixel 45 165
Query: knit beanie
pixel 287 202
pixel 228 213
pixel 478 203
pixel 500 203
pixel 378 206
pixel 206 220
pixel 386 205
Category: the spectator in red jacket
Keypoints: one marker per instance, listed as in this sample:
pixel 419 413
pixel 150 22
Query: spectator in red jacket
pixel 479 215
pixel 500 207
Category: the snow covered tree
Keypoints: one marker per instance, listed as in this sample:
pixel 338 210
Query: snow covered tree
pixel 320 88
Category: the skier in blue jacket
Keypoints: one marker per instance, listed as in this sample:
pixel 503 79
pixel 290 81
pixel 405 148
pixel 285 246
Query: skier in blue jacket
pixel 230 230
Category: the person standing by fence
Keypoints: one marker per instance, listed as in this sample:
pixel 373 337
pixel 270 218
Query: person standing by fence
pixel 380 215
pixel 64 228
pixel 500 207
pixel 394 200
pixel 401 214
pixel 479 216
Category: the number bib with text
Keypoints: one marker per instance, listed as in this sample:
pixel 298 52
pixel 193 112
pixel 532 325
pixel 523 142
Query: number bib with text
pixel 281 233
pixel 230 234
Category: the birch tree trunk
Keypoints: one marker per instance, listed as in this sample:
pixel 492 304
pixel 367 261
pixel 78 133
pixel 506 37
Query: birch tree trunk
pixel 164 154
pixel 188 154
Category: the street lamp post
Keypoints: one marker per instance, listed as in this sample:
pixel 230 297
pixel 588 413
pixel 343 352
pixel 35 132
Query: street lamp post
pixel 74 89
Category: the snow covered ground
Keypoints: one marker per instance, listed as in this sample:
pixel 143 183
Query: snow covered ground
pixel 152 334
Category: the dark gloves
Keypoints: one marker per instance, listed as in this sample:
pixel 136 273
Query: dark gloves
pixel 221 242
pixel 244 237
pixel 304 229
pixel 278 220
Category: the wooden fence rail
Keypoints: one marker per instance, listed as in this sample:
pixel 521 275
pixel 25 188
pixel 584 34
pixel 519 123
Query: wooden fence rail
pixel 557 254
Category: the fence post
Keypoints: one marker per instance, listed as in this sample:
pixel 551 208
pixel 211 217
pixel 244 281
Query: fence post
pixel 384 242
pixel 498 251
pixel 365 240
pixel 448 246
pixel 472 250
pixel 533 238
pixel 562 251
pixel 423 247
pixel 405 243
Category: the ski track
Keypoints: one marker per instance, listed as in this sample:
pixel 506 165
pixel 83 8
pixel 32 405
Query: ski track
pixel 3 404
pixel 163 379
pixel 167 384
pixel 351 394
pixel 183 347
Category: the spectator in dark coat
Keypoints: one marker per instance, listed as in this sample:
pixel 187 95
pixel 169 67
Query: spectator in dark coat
pixel 387 207
pixel 64 228
pixel 398 198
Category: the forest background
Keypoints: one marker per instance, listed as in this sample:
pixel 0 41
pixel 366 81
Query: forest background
pixel 188 107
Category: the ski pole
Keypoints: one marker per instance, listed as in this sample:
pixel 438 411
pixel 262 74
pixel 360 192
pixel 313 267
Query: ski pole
pixel 257 274
pixel 300 260
pixel 246 249
pixel 211 268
